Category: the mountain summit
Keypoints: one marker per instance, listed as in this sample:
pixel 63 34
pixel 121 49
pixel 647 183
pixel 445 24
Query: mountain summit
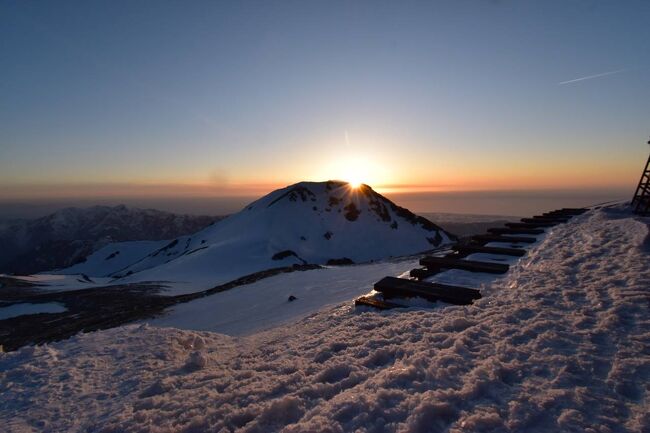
pixel 308 222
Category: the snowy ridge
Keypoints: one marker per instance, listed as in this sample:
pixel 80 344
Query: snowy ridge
pixel 560 345
pixel 309 222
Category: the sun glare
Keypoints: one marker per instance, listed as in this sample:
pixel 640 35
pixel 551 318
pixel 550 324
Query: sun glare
pixel 354 183
pixel 353 170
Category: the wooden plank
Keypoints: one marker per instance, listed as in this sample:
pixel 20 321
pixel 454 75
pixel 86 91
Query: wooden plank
pixel 508 231
pixel 471 249
pixel 529 225
pixel 510 239
pixel 465 265
pixel 400 287
pixel 421 274
pixel 369 301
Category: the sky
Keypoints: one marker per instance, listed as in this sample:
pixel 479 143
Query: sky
pixel 236 98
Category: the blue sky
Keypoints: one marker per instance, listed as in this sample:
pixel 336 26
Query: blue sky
pixel 157 97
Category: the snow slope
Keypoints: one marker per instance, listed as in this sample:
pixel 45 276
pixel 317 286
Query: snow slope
pixel 561 344
pixel 113 258
pixel 264 304
pixel 309 222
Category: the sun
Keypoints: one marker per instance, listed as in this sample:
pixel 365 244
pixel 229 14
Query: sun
pixel 354 181
pixel 356 170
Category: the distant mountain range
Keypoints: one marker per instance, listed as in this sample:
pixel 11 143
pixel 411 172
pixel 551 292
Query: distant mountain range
pixel 67 236
pixel 309 222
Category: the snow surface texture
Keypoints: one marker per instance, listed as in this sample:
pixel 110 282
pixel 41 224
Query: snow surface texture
pixel 561 344
pixel 309 222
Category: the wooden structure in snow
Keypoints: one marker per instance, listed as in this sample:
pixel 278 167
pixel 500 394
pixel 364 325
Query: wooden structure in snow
pixel 396 287
pixel 471 249
pixel 465 265
pixel 504 239
pixel 417 287
pixel 641 199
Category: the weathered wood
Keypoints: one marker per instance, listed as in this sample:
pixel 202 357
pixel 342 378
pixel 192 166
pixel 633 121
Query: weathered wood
pixel 465 265
pixel 641 199
pixel 422 273
pixel 368 301
pixel 508 231
pixel 529 225
pixel 471 249
pixel 510 239
pixel 400 287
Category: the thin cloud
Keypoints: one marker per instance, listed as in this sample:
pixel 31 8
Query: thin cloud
pixel 589 77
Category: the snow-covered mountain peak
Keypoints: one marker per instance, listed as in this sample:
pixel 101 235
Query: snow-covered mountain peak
pixel 308 222
pixel 340 198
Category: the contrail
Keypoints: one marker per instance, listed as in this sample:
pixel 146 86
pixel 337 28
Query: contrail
pixel 589 77
pixel 347 137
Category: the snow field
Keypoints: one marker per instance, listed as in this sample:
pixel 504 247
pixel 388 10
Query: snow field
pixel 561 343
pixel 264 304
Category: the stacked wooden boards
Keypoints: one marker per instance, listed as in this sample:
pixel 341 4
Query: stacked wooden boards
pixel 513 234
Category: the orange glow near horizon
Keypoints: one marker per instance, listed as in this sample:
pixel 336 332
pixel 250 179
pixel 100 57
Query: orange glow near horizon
pixel 355 170
pixel 386 171
pixel 387 161
pixel 206 190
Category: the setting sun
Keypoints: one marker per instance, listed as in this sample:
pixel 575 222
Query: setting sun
pixel 355 170
pixel 354 182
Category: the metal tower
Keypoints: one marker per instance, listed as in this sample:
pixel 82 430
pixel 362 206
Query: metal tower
pixel 641 200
